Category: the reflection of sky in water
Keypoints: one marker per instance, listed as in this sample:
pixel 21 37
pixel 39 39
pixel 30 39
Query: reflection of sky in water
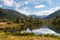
pixel 43 30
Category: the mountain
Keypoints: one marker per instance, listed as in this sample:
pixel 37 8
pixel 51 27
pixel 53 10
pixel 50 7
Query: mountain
pixel 10 14
pixel 54 14
pixel 36 16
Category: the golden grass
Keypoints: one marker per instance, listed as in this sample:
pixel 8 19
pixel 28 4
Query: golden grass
pixel 27 38
pixel 9 25
pixel 3 36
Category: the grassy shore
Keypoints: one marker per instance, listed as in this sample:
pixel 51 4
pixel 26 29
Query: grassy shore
pixel 24 36
pixel 4 36
pixel 27 38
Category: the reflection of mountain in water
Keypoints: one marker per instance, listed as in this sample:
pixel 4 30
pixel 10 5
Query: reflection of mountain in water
pixel 31 26
pixel 42 30
pixel 55 28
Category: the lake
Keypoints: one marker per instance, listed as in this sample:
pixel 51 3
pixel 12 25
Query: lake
pixel 41 29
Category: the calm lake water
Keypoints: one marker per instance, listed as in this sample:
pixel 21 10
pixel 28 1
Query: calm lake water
pixel 42 29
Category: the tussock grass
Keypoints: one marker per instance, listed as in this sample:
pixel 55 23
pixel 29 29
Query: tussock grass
pixel 6 36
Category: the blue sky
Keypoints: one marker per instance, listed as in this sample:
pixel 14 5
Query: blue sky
pixel 37 7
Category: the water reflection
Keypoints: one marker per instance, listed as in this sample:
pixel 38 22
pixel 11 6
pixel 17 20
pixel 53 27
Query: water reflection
pixel 31 26
pixel 42 29
pixel 55 27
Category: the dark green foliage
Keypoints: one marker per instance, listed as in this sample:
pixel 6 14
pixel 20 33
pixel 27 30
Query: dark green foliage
pixel 11 17
pixel 56 20
pixel 7 15
pixel 48 35
pixel 17 20
pixel 23 34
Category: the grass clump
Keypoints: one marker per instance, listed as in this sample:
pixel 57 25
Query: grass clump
pixel 23 34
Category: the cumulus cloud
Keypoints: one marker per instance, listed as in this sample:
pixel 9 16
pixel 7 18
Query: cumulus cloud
pixel 8 2
pixel 51 10
pixel 24 10
pixel 17 5
pixel 39 13
pixel 46 12
pixel 40 6
pixel 12 3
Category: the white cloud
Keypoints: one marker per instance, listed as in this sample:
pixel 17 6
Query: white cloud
pixel 8 2
pixel 46 12
pixel 40 6
pixel 40 1
pixel 52 10
pixel 50 2
pixel 32 1
pixel 12 3
pixel 17 5
pixel 26 2
pixel 39 13
pixel 24 10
